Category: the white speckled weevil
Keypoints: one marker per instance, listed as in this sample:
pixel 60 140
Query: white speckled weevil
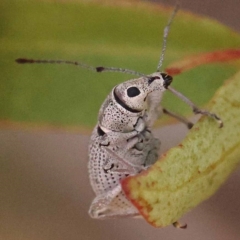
pixel 122 143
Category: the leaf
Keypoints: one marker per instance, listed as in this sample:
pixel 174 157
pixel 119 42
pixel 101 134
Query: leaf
pixel 113 34
pixel 190 173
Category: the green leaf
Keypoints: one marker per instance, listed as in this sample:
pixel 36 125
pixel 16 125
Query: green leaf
pixel 190 173
pixel 118 35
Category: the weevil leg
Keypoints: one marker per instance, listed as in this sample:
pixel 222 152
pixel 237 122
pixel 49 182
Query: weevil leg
pixel 147 150
pixel 133 142
pixel 140 125
pixel 153 153
pixel 195 109
pixel 178 225
pixel 154 111
pixel 128 168
pixel 140 151
pixel 117 138
pixel 178 117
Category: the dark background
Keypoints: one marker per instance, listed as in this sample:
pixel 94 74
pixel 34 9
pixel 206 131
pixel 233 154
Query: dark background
pixel 45 193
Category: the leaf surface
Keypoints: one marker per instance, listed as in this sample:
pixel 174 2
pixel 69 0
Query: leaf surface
pixel 190 173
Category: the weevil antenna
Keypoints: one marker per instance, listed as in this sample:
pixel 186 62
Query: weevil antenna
pixel 165 35
pixel 83 65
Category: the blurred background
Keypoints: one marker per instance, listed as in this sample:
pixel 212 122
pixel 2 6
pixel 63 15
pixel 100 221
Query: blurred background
pixel 45 193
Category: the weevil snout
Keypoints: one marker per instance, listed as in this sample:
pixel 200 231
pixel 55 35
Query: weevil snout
pixel 167 79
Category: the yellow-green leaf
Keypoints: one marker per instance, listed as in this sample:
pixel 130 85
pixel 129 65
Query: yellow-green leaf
pixel 191 172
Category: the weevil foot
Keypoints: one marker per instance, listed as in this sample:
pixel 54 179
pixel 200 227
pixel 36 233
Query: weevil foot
pixel 212 115
pixel 178 225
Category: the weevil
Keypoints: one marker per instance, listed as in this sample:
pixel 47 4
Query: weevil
pixel 122 142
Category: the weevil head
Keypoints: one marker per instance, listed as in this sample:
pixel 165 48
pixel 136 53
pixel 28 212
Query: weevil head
pixel 133 93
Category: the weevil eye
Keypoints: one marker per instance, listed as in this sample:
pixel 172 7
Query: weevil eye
pixel 133 92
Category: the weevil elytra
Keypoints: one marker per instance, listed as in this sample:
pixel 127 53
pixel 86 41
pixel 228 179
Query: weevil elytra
pixel 122 143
